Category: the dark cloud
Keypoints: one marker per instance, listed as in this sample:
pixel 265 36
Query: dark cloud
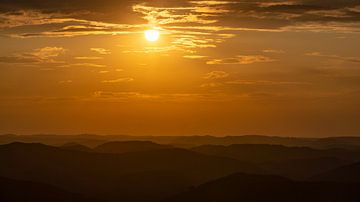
pixel 277 14
pixel 109 11
pixel 80 17
pixel 296 8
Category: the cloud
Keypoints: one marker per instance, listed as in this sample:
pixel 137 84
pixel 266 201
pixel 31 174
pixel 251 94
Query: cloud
pixel 195 17
pixel 211 85
pixel 188 25
pixel 195 12
pixel 48 52
pixel 92 65
pixel 34 23
pixel 241 59
pixel 335 57
pixel 195 56
pixel 119 80
pixel 273 51
pixel 88 58
pixel 86 9
pixel 265 82
pixel 154 49
pixel 216 75
pixel 101 51
pixel 123 96
pixel 119 17
pixel 40 55
pixel 65 82
pixel 161 97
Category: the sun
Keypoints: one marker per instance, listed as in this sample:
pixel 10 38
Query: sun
pixel 152 35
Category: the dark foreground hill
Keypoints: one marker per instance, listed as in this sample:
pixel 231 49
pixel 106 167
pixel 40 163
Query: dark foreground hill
pixel 348 173
pixel 137 176
pixel 119 147
pixel 25 191
pixel 263 188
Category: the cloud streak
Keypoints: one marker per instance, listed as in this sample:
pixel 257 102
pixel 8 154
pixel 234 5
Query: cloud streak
pixel 335 57
pixel 119 80
pixel 40 55
pixel 240 60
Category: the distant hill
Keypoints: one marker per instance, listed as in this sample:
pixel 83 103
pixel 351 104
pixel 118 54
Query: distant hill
pixel 129 146
pixel 25 191
pixel 76 147
pixel 302 169
pixel 188 141
pixel 263 188
pixel 292 162
pixel 55 140
pixel 260 153
pixel 348 173
pixel 134 176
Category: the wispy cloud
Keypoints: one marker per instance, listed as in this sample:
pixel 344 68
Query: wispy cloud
pixel 195 56
pixel 40 55
pixel 216 75
pixel 101 51
pixel 88 58
pixel 241 60
pixel 211 85
pixel 47 52
pixel 65 82
pixel 34 23
pixel 335 57
pixel 161 97
pixel 91 65
pixel 273 51
pixel 119 80
pixel 265 82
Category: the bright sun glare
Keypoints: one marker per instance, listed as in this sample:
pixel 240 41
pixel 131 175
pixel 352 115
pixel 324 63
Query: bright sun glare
pixel 152 35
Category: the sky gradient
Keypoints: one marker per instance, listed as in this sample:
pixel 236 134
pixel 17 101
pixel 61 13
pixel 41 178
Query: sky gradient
pixel 265 67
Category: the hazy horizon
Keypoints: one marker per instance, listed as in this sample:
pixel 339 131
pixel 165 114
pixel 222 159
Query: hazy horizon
pixel 185 135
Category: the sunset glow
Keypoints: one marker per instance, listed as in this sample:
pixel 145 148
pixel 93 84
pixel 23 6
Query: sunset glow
pixel 152 35
pixel 196 67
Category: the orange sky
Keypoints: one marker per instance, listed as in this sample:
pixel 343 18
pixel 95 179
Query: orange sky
pixel 219 67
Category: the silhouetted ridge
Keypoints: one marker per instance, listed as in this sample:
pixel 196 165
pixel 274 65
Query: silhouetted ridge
pixel 134 176
pixel 25 191
pixel 129 146
pixel 20 146
pixel 266 153
pixel 263 188
pixel 76 147
pixel 348 173
pixel 302 169
pixel 189 141
pixel 291 162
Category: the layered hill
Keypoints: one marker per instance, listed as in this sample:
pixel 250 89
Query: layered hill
pixel 291 162
pixel 348 173
pixel 26 191
pixel 188 141
pixel 119 147
pixel 133 176
pixel 265 188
